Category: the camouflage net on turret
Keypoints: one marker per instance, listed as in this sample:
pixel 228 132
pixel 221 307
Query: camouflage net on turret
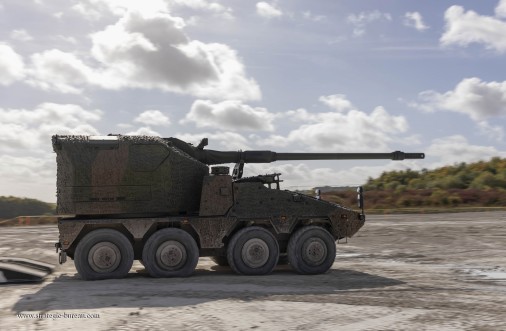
pixel 125 175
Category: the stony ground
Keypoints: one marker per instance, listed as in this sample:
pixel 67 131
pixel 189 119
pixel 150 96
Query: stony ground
pixel 402 272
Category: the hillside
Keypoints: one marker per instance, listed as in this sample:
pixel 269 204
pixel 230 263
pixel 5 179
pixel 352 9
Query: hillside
pixel 480 175
pixel 479 184
pixel 11 207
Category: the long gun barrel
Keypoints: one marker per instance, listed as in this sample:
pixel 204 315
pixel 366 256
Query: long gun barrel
pixel 219 157
pixel 210 157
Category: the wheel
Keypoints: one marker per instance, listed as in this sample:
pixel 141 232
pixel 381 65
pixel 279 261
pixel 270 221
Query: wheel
pixel 170 252
pixel 103 254
pixel 311 250
pixel 253 251
pixel 220 260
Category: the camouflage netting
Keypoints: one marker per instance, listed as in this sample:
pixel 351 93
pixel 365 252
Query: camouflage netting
pixel 129 175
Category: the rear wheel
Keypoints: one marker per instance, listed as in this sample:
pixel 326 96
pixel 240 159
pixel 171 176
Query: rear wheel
pixel 103 254
pixel 311 250
pixel 170 252
pixel 253 251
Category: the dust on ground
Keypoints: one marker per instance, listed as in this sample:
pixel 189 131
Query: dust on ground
pixel 400 272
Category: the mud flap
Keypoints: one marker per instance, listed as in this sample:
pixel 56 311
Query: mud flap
pixel 19 270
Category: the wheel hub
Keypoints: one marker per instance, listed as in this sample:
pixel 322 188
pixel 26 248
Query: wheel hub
pixel 170 255
pixel 314 251
pixel 104 257
pixel 255 253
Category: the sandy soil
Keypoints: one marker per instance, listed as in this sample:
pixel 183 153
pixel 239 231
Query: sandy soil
pixel 401 272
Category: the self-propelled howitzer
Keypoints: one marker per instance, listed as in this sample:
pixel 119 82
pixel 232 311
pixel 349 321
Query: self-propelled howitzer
pixel 155 200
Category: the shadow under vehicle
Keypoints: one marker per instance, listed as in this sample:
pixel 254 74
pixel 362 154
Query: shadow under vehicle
pixel 154 199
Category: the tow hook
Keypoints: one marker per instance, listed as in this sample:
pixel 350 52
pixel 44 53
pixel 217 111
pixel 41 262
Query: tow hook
pixel 62 256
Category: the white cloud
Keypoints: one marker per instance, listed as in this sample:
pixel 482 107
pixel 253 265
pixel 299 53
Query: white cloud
pixel 338 102
pixel 341 132
pixel 464 28
pixel 26 168
pixel 153 117
pixel 29 176
pixel 54 70
pixel 415 20
pixel 21 35
pixel 494 132
pixel 88 10
pixel 31 130
pixel 144 131
pixel 308 15
pixel 27 163
pixel 456 149
pixel 478 99
pixel 124 126
pixel 361 20
pixel 213 7
pixel 66 39
pixel 500 10
pixel 267 10
pixel 148 52
pixel 96 9
pixel 12 67
pixel 352 131
pixel 229 115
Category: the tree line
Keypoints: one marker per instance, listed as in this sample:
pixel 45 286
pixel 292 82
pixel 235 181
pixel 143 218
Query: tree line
pixel 479 184
pixel 481 175
pixel 11 207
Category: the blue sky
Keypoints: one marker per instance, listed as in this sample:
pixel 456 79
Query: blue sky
pixel 302 76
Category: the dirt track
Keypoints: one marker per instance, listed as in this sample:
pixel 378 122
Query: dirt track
pixel 401 272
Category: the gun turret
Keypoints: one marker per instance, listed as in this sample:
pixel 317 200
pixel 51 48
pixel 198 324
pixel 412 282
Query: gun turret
pixel 132 175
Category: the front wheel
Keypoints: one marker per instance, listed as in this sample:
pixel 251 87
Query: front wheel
pixel 170 252
pixel 103 254
pixel 311 250
pixel 253 251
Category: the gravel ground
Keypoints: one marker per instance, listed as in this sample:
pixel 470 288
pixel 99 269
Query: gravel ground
pixel 400 272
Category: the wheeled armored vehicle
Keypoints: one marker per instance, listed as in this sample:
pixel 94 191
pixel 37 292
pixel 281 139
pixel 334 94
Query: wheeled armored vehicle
pixel 125 198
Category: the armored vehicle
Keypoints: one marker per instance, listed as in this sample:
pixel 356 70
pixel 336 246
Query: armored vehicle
pixel 154 200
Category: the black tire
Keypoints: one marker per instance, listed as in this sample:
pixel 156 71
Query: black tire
pixel 220 260
pixel 103 254
pixel 253 251
pixel 311 250
pixel 170 252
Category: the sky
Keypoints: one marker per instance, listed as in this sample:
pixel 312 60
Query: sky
pixel 288 76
